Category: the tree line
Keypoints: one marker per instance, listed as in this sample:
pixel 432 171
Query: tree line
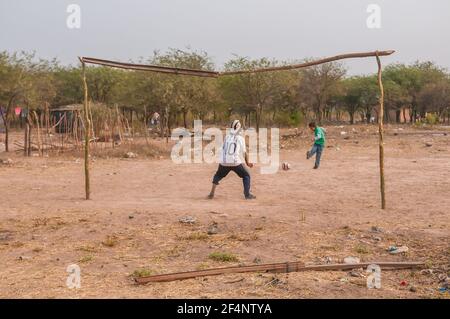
pixel 416 92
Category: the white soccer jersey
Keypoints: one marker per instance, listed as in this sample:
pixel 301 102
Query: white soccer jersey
pixel 233 150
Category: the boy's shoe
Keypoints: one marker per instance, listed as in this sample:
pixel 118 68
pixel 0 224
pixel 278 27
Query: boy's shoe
pixel 210 196
pixel 315 167
pixel 250 196
pixel 307 155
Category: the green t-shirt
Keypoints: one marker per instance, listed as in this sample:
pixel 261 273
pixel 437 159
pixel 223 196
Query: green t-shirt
pixel 319 136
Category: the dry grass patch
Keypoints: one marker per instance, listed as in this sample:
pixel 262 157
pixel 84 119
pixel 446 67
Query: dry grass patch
pixel 143 272
pixel 223 257
pixel 195 236
pixel 110 241
pixel 88 249
pixel 361 249
pixel 86 259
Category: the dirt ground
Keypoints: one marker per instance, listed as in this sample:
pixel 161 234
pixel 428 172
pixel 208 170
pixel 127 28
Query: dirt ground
pixel 132 221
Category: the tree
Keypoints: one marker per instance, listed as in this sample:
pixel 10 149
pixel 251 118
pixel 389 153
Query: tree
pixel 319 84
pixel 410 81
pixel 15 80
pixel 251 92
pixel 102 82
pixel 168 94
pixel 435 97
pixel 352 96
pixel 67 85
pixel 396 98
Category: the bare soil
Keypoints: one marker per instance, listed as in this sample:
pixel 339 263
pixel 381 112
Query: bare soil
pixel 313 216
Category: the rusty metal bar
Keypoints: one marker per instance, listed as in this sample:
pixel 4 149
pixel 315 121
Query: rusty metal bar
pixel 272 268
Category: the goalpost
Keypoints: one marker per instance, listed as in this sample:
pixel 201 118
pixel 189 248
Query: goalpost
pixel 215 74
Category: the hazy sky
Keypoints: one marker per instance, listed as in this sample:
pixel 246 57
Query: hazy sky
pixel 282 29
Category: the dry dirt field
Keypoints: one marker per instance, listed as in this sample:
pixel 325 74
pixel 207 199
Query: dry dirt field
pixel 132 221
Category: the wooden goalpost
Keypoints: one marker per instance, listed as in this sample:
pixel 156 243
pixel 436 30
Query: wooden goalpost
pixel 215 74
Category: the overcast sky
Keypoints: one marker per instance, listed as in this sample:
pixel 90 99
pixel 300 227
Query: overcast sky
pixel 281 29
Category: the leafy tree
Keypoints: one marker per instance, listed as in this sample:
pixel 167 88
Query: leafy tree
pixel 16 80
pixel 435 97
pixel 251 92
pixel 319 84
pixel 410 80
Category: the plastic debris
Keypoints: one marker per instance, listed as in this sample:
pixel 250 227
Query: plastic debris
pixel 394 250
pixel 187 220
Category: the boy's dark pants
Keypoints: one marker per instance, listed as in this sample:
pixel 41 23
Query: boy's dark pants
pixel 316 149
pixel 240 170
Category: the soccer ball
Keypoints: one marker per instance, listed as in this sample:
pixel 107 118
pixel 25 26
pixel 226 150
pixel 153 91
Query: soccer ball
pixel 286 166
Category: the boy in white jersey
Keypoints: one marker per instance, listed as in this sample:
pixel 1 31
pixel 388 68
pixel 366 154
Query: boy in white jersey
pixel 232 156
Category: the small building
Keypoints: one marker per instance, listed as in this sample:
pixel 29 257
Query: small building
pixel 66 118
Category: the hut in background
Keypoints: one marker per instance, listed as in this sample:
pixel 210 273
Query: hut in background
pixel 66 119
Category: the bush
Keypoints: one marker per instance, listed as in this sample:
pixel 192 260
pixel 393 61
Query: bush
pixel 431 118
pixel 293 119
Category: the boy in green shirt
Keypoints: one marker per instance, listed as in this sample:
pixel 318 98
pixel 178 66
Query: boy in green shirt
pixel 319 142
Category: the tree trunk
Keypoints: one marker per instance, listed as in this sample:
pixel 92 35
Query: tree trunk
pixel 368 116
pixel 397 116
pixel 145 116
pixel 6 137
pixel 319 110
pixel 319 117
pixel 184 119
pixel 5 122
pixel 259 109
pixel 387 117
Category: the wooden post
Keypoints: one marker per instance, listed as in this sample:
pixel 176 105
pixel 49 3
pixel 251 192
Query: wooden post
pixel 380 130
pixel 25 141
pixel 29 133
pixel 47 118
pixel 145 125
pixel 87 131
pixel 39 140
pixel 119 123
pixel 166 124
